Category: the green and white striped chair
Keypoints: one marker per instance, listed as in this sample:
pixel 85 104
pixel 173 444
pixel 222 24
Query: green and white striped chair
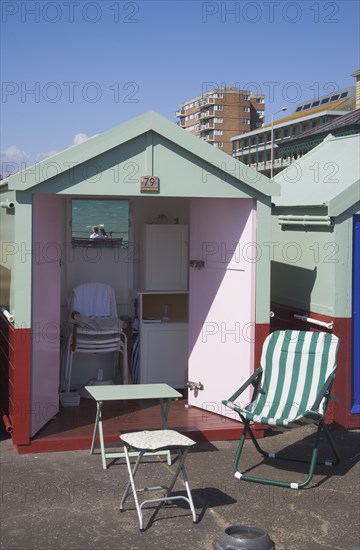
pixel 292 388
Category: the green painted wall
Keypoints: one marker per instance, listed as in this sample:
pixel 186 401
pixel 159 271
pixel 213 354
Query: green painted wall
pixel 8 249
pixel 312 267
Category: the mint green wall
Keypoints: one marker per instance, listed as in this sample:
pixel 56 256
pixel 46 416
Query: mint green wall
pixel 303 268
pixel 22 274
pixel 8 249
pixel 16 256
pixel 117 172
pixel 263 232
pixel 183 174
pixel 312 267
pixel 343 268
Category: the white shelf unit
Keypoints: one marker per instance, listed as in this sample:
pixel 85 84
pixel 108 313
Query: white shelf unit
pixel 163 343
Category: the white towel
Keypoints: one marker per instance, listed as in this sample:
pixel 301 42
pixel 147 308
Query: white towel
pixel 101 325
pixel 94 300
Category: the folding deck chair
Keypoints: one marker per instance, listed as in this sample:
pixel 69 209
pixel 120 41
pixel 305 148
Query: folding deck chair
pixel 291 388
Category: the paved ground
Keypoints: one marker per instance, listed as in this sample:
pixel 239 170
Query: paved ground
pixel 66 500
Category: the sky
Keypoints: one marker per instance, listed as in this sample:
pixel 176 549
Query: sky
pixel 72 69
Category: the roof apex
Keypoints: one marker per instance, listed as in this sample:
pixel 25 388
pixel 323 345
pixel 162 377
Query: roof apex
pixel 146 122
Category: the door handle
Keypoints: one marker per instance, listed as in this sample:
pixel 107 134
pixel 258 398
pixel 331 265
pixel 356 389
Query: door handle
pixel 198 264
pixel 195 386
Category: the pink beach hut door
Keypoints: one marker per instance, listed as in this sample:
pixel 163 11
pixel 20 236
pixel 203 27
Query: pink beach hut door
pixel 222 301
pixel 45 358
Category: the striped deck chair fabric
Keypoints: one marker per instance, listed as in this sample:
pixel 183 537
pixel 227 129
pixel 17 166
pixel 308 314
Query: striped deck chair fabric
pixel 296 367
pixel 291 387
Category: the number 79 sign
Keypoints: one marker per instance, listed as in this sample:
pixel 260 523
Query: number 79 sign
pixel 149 184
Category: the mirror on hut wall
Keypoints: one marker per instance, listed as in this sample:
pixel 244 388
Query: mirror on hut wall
pixel 100 222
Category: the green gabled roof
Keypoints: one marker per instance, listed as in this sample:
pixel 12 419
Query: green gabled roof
pixel 149 121
pixel 329 175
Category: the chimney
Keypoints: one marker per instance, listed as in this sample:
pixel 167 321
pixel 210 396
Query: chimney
pixel 356 75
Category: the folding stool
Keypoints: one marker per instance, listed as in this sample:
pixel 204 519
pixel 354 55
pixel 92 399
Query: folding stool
pixel 146 442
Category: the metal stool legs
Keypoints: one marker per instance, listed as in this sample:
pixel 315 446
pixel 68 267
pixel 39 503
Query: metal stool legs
pixel 182 453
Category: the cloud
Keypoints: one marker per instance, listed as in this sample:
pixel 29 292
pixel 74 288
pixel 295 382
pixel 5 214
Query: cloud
pixel 14 154
pixel 79 138
pixel 13 159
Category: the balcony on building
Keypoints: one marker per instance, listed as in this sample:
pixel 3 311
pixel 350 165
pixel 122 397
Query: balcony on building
pixel 207 101
pixel 180 112
pixel 207 114
pixel 207 126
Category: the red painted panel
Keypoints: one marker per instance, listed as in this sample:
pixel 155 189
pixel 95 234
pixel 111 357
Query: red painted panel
pixel 261 332
pixel 343 381
pixel 15 379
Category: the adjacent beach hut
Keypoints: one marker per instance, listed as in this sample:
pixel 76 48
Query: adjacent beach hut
pixel 315 276
pixel 164 177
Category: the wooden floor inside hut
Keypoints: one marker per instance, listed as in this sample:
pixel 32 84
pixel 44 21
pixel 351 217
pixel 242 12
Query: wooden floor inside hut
pixel 72 428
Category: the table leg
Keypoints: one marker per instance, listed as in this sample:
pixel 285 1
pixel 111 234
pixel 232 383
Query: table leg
pixel 95 428
pixel 99 428
pixel 165 412
pixel 164 416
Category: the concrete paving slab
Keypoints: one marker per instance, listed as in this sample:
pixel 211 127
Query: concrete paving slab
pixel 66 500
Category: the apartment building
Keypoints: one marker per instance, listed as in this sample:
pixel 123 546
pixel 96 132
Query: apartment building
pixel 217 115
pixel 275 145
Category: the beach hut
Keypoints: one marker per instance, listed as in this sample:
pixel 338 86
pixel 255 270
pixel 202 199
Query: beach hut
pixel 189 209
pixel 315 273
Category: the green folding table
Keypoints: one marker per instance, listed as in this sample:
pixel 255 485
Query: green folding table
pixel 163 392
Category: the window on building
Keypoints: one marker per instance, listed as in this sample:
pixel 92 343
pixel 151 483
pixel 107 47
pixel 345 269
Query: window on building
pixel 325 100
pixel 246 121
pixel 315 103
pixel 112 215
pixel 218 107
pixel 344 94
pixel 246 97
pixel 246 109
pixel 298 109
pixel 335 97
pixel 307 106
